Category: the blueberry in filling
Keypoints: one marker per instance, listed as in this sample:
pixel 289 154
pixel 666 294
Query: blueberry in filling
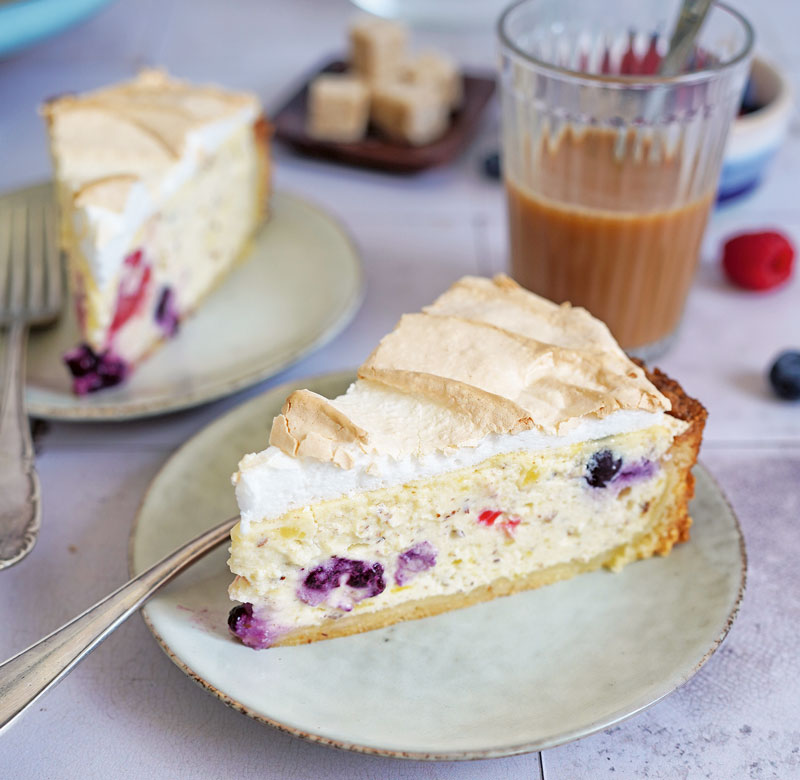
pixel 93 371
pixel 166 314
pixel 253 631
pixel 416 559
pixel 362 576
pixel 633 472
pixel 239 618
pixel 602 468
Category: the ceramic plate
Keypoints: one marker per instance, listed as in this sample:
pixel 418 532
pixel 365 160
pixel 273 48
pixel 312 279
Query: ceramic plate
pixel 521 673
pixel 298 286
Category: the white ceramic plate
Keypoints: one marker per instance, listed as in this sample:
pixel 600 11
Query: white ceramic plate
pixel 299 285
pixel 517 674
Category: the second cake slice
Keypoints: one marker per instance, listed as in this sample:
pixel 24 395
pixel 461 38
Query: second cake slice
pixel 160 185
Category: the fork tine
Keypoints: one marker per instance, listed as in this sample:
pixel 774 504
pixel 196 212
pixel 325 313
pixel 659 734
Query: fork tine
pixel 35 258
pixel 31 279
pixel 18 242
pixel 5 257
pixel 52 253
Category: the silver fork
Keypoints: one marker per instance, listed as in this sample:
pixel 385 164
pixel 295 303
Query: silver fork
pixel 31 293
pixel 29 674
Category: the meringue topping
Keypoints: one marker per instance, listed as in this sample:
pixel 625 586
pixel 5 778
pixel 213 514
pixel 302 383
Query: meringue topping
pixel 136 130
pixel 487 357
pixel 121 151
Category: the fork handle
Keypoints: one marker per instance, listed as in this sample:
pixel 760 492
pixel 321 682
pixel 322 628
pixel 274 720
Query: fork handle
pixel 26 676
pixel 20 506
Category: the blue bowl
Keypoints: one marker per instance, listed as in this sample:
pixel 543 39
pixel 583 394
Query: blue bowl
pixel 756 136
pixel 27 21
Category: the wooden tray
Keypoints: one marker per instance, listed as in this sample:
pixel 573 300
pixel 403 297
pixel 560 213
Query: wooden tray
pixel 375 151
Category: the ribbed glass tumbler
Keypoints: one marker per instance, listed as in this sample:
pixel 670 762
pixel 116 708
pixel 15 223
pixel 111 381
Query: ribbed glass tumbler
pixel 611 166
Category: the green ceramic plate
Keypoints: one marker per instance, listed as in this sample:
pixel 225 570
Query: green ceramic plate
pixel 517 674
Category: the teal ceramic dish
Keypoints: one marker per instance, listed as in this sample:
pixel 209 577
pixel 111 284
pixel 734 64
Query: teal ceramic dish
pixel 756 135
pixel 25 22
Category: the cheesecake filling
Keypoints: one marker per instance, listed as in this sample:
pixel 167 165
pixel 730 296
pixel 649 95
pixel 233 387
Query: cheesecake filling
pixel 513 513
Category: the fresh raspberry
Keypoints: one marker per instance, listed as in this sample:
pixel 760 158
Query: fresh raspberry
pixel 758 261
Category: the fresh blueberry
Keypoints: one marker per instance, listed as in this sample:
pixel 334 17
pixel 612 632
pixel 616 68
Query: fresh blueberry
pixel 785 375
pixel 602 468
pixel 491 166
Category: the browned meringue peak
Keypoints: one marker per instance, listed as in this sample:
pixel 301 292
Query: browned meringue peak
pixel 502 302
pixel 309 425
pixel 136 128
pixel 486 357
pixel 110 192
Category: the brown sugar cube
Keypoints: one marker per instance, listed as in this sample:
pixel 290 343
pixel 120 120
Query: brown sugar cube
pixel 377 49
pixel 439 72
pixel 409 112
pixel 338 108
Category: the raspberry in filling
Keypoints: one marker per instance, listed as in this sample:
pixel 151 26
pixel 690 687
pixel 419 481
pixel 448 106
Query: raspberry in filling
pixel 133 288
pixel 488 516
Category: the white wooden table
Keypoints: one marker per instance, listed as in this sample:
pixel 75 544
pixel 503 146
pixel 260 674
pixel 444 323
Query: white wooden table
pixel 127 711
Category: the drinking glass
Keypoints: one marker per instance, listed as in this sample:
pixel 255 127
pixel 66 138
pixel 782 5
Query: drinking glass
pixel 611 168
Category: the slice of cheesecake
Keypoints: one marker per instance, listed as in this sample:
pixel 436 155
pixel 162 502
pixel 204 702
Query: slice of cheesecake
pixel 160 184
pixel 492 443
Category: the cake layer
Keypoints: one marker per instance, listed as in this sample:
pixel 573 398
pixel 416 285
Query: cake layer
pixel 270 483
pixel 511 514
pixel 516 520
